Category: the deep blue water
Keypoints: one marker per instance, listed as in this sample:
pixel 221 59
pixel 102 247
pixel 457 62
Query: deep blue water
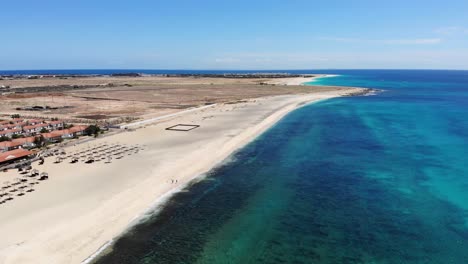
pixel 146 71
pixel 375 179
pixel 180 71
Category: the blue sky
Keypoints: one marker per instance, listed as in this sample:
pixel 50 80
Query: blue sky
pixel 209 34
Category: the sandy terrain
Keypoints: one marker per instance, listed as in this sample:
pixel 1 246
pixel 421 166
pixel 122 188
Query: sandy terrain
pixel 83 206
pixel 134 81
pixel 147 96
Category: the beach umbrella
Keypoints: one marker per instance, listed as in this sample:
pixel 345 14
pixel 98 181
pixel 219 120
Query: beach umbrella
pixel 44 176
pixel 90 159
pixel 9 197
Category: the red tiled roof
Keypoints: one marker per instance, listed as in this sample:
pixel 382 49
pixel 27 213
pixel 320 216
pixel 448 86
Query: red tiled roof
pixel 77 129
pixel 35 126
pixel 14 154
pixel 55 122
pixel 59 133
pixel 35 121
pixel 9 126
pixel 9 131
pixel 24 140
pixel 9 144
pixel 54 134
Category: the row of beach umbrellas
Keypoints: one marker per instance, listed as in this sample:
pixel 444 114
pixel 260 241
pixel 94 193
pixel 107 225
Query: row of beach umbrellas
pixel 21 185
pixel 102 152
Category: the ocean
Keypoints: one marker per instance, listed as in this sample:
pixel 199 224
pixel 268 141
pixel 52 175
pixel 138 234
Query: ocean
pixel 373 179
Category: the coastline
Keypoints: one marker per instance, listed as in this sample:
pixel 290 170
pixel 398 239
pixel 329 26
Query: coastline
pixel 240 142
pixel 300 80
pixel 102 218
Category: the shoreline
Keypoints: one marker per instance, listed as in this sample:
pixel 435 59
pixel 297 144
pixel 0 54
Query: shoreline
pixel 216 144
pixel 158 205
pixel 300 80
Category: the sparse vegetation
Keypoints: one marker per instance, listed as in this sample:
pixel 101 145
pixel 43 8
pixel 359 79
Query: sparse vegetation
pixel 39 141
pixel 92 130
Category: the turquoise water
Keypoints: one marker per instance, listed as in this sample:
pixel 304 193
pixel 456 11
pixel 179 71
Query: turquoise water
pixel 375 179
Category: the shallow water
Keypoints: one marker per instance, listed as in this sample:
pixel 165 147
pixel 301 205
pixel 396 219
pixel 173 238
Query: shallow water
pixel 376 179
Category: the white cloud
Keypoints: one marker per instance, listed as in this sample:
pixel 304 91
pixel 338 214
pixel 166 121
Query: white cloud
pixel 227 60
pixel 403 59
pixel 265 59
pixel 416 41
pixel 412 41
pixel 451 31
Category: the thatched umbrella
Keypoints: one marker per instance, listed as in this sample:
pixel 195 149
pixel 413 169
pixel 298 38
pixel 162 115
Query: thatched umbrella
pixel 9 197
pixel 17 181
pixel 6 185
pixel 74 159
pixel 44 176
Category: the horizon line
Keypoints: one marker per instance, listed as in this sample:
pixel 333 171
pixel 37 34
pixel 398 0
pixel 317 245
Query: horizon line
pixel 182 69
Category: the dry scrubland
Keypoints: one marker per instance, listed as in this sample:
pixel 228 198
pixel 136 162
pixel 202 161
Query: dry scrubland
pixel 142 97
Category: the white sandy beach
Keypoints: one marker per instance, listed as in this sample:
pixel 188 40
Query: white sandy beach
pixel 83 206
pixel 298 80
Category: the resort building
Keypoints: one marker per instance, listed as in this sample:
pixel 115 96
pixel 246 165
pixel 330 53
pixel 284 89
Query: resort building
pixel 9 145
pixel 26 143
pixel 54 136
pixel 56 124
pixel 35 129
pixel 10 126
pixel 14 155
pixel 58 135
pixel 33 122
pixel 11 132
